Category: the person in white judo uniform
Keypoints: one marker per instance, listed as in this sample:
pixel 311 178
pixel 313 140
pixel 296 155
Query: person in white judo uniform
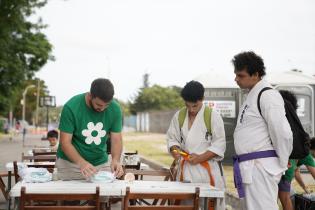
pixel 198 147
pixel 263 142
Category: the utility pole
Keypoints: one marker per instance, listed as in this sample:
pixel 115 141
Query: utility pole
pixel 37 103
pixel 23 113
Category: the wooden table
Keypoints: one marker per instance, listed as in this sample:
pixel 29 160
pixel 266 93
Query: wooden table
pixel 116 188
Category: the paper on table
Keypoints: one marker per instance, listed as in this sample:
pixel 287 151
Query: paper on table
pixel 103 176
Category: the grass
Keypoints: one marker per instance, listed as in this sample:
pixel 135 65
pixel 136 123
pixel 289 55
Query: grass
pixel 152 149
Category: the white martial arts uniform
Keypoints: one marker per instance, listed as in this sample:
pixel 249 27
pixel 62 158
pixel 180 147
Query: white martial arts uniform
pixel 194 141
pixel 256 133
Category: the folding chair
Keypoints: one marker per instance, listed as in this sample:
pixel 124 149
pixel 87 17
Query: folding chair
pixel 194 197
pixel 39 158
pixel 147 174
pixel 37 152
pixel 164 173
pixel 27 199
pixel 3 187
pixel 16 172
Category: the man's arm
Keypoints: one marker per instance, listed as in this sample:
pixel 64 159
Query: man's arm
pixel 272 109
pixel 299 179
pixel 86 168
pixel 173 137
pixel 116 149
pixel 311 169
pixel 196 159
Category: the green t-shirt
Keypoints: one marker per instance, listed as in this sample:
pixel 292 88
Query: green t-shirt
pixel 307 161
pixel 289 173
pixel 89 128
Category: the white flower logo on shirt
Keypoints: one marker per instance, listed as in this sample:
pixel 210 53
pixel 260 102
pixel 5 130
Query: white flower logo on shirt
pixel 94 133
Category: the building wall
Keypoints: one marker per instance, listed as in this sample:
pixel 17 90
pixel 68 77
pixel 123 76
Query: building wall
pixel 154 121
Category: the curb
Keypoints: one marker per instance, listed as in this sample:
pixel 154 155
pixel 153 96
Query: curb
pixel 152 164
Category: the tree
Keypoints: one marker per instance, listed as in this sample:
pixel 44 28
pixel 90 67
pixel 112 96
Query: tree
pixel 24 49
pixel 124 107
pixel 156 98
pixel 53 115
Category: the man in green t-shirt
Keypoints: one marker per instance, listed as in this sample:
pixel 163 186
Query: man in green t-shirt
pixel 309 163
pixel 87 122
pixel 294 172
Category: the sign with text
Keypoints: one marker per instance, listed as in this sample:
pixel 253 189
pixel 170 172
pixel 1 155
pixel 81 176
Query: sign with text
pixel 225 108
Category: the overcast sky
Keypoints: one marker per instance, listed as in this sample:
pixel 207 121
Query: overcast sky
pixel 172 40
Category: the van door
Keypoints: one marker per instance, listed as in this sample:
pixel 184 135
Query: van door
pixel 305 98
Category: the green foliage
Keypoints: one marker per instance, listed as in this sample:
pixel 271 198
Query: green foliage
pixel 124 107
pixel 156 98
pixel 53 115
pixel 24 49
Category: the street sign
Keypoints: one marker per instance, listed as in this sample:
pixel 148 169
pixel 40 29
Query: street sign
pixel 47 101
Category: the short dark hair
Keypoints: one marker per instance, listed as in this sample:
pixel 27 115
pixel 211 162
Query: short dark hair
pixel 312 140
pixel 249 61
pixel 193 91
pixel 290 97
pixel 102 89
pixel 52 134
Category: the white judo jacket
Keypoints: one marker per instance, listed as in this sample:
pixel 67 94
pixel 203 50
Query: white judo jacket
pixel 256 133
pixel 195 141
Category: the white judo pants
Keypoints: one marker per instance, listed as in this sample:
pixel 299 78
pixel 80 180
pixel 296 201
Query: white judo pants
pixel 262 193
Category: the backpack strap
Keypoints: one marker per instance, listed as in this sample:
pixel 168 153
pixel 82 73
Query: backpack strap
pixel 181 117
pixel 207 118
pixel 258 98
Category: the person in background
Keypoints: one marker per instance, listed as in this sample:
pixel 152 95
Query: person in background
pixel 17 127
pixel 52 137
pixel 309 163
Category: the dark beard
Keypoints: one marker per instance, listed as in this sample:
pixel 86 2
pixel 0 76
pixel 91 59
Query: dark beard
pixel 91 105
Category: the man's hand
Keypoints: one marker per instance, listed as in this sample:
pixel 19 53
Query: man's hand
pixel 87 169
pixel 174 152
pixel 194 159
pixel 306 190
pixel 117 169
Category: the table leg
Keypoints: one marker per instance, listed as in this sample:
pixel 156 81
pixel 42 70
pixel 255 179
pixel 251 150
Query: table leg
pixel 9 189
pixel 205 204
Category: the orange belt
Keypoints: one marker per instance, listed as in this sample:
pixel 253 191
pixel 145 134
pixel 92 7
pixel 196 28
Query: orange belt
pixel 204 164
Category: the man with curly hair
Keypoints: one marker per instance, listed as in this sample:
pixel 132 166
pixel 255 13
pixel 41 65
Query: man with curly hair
pixel 263 141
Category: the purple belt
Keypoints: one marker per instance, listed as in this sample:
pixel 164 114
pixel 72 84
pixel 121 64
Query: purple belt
pixel 245 157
